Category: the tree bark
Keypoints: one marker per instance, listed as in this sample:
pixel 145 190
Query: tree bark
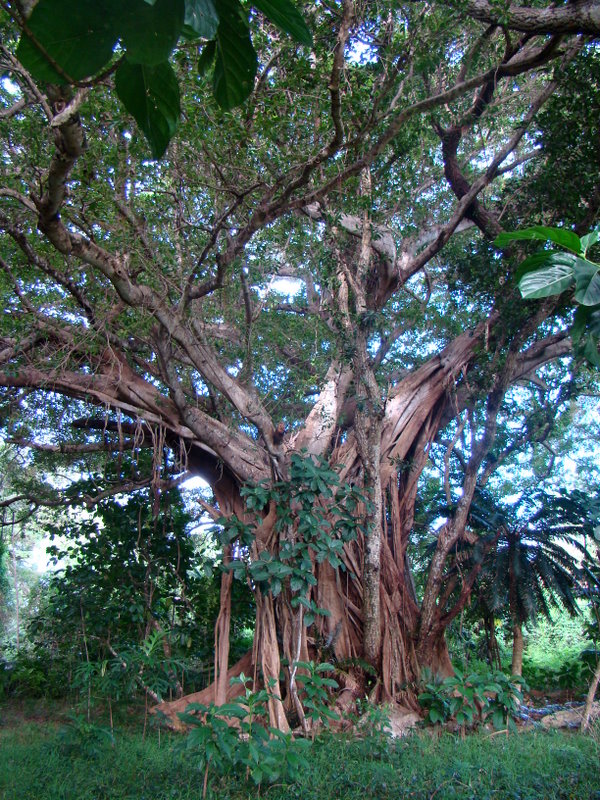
pixel 517 650
pixel 589 701
pixel 578 17
pixel 396 635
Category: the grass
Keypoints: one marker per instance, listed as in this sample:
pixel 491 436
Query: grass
pixel 39 761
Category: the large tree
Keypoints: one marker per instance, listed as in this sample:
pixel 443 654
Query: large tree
pixel 312 273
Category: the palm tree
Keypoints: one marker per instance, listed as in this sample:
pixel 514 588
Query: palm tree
pixel 580 511
pixel 533 566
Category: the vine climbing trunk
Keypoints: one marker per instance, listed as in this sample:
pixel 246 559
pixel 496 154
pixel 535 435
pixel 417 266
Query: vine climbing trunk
pixel 368 428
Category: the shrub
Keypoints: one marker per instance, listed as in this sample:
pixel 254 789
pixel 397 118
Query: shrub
pixel 251 747
pixel 472 699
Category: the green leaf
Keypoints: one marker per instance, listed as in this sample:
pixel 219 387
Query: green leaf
pixel 151 95
pixel 498 719
pixel 329 682
pixel 207 57
pixel 594 322
pixel 545 258
pixel 560 236
pixel 78 37
pixel 202 17
pixel 590 351
pixel 280 570
pixel 235 66
pixel 233 710
pixel 587 283
pixel 150 33
pixel 286 16
pixel 546 282
pixel 325 666
pixel 259 575
pixel 589 240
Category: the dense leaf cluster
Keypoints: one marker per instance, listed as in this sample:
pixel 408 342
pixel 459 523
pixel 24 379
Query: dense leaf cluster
pixel 66 44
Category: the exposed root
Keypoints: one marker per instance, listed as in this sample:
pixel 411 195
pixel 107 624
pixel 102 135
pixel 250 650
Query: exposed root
pixel 172 709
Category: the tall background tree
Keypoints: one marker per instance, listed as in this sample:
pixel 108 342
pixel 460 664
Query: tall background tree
pixel 531 567
pixel 310 276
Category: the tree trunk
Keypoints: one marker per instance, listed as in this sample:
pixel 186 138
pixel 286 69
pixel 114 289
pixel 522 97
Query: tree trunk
pixel 493 651
pixel 368 429
pixel 589 701
pixel 517 650
pixel 372 609
pixel 222 628
pixel 13 544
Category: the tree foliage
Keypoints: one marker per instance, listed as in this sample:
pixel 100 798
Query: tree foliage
pixel 551 272
pixel 534 563
pixel 61 44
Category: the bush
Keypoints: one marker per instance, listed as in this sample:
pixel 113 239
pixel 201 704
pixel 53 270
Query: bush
pixel 28 674
pixel 84 738
pixel 472 699
pixel 573 671
pixel 251 748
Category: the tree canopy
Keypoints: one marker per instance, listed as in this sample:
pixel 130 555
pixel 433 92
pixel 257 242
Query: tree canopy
pixel 309 275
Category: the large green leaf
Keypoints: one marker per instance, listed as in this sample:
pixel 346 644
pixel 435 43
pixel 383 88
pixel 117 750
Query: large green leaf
pixel 235 65
pixel 150 32
pixel 286 16
pixel 78 37
pixel 151 95
pixel 546 282
pixel 589 240
pixel 590 351
pixel 582 315
pixel 560 236
pixel 587 283
pixel 594 321
pixel 207 57
pixel 202 17
pixel 587 320
pixel 544 259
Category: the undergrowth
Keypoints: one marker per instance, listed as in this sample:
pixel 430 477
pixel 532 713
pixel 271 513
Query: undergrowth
pixel 38 762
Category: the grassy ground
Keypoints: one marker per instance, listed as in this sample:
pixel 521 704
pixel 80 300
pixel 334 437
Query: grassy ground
pixel 43 760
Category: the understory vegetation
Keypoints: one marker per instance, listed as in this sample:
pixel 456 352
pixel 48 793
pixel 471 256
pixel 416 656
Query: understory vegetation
pixel 54 763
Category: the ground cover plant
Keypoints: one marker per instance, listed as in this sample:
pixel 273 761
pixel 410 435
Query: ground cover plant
pixel 472 699
pixel 39 763
pixel 300 283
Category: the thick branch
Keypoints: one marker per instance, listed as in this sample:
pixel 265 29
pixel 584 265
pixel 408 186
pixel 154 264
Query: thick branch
pixel 572 18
